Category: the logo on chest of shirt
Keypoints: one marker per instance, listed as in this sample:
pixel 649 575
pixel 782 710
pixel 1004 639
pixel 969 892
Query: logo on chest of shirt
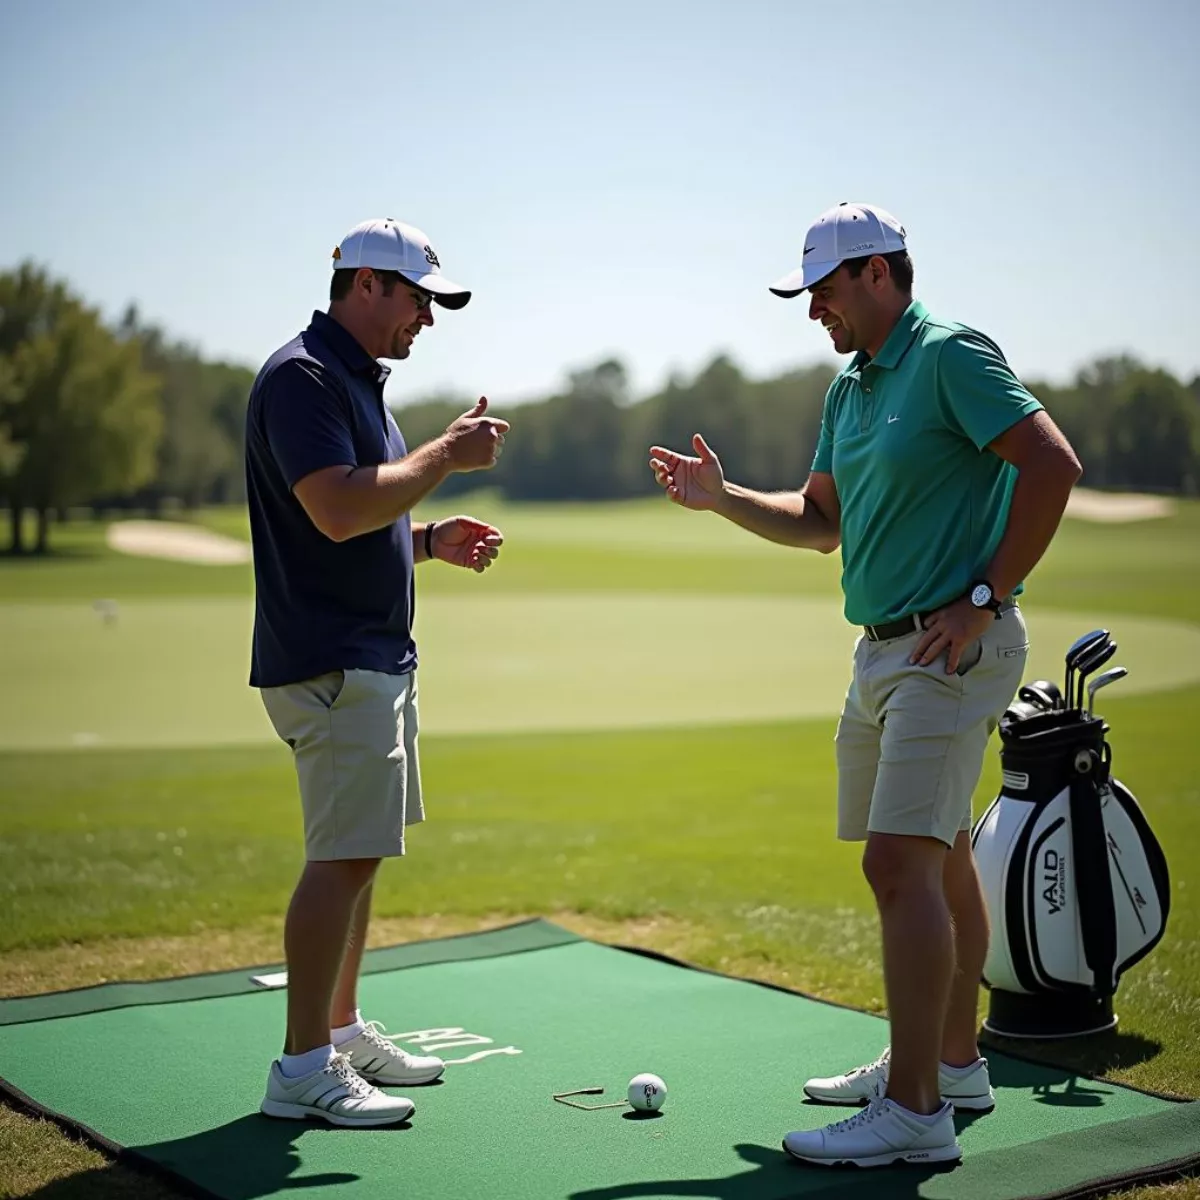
pixel 893 417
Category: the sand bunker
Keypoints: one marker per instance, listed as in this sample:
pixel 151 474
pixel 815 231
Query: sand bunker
pixel 183 543
pixel 1116 507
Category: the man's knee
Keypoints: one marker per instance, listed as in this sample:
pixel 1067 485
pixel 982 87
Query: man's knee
pixel 354 874
pixel 897 863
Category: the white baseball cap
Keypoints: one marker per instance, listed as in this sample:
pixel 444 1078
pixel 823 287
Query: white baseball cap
pixel 389 245
pixel 847 231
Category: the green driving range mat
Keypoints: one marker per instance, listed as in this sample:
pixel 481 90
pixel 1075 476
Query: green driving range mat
pixel 171 1073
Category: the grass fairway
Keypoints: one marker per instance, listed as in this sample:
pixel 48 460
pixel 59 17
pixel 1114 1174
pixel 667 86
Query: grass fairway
pixel 616 736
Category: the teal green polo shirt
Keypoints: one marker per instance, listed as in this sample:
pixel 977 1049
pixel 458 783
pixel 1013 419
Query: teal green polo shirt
pixel 924 502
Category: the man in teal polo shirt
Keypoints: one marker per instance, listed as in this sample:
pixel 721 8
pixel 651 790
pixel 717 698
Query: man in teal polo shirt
pixel 943 481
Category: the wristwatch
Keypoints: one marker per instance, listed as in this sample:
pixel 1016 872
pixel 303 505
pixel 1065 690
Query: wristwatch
pixel 983 596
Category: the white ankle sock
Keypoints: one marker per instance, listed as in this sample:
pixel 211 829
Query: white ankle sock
pixel 295 1065
pixel 343 1033
pixel 960 1070
pixel 924 1118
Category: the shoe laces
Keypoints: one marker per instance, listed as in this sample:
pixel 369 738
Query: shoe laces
pixel 375 1034
pixel 355 1084
pixel 880 1064
pixel 864 1116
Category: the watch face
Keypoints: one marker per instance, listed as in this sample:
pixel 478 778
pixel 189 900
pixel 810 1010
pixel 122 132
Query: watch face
pixel 980 595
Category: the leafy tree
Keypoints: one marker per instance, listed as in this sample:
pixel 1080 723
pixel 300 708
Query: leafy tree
pixel 74 400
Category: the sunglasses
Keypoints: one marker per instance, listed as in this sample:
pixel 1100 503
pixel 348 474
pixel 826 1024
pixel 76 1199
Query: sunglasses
pixel 424 299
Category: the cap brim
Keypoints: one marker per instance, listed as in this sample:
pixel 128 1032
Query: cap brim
pixel 803 278
pixel 447 294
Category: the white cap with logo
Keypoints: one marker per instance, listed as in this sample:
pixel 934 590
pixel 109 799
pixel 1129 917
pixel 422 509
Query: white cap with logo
pixel 389 245
pixel 847 231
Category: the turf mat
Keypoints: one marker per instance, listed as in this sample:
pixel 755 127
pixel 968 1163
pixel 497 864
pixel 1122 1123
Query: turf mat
pixel 171 1074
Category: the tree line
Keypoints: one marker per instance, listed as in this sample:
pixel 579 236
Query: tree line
pixel 120 415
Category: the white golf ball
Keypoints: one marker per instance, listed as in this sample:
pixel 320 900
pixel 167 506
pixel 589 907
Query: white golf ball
pixel 647 1092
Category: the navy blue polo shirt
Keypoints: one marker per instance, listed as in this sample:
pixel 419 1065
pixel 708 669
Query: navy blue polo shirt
pixel 321 605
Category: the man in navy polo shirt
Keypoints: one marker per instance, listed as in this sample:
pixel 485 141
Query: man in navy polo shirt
pixel 331 486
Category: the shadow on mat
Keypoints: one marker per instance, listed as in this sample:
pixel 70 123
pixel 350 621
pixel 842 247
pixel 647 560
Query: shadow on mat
pixel 1063 1078
pixel 780 1177
pixel 1097 1055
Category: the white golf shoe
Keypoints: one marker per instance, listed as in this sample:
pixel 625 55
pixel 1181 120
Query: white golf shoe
pixel 379 1060
pixel 881 1134
pixel 334 1093
pixel 969 1089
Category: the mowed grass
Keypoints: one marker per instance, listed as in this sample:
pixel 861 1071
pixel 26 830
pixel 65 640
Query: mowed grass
pixel 663 625
pixel 715 842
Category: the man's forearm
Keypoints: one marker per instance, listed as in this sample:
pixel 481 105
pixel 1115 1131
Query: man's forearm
pixel 787 518
pixel 1038 502
pixel 372 498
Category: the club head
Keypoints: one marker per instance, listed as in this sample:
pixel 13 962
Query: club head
pixel 1050 689
pixel 1090 663
pixel 1080 646
pixel 1101 681
pixel 1037 696
pixel 1086 647
pixel 1079 643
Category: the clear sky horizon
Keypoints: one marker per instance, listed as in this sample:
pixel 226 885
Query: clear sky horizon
pixel 621 179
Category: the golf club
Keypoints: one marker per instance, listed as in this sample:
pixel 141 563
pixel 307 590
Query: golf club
pixel 1110 676
pixel 1074 652
pixel 1039 695
pixel 1050 689
pixel 1089 664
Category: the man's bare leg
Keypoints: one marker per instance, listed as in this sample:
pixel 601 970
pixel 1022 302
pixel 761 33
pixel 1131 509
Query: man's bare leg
pixel 345 993
pixel 906 875
pixel 314 938
pixel 964 897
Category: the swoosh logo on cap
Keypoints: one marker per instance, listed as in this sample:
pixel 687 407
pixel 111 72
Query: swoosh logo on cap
pixel 809 249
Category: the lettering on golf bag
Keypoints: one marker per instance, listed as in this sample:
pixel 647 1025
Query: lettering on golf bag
pixel 1076 883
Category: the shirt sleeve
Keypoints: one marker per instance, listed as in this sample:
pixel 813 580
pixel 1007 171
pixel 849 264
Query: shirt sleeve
pixel 823 458
pixel 305 420
pixel 977 389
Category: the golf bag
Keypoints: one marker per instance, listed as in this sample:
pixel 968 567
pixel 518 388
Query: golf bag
pixel 1075 881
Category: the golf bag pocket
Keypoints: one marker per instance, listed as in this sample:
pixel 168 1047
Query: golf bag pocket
pixel 1075 881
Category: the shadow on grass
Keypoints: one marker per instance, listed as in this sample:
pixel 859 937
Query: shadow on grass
pixel 79 552
pixel 250 1157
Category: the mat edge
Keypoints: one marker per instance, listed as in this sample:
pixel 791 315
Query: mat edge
pixel 117 1154
pixel 1160 1173
pixel 266 968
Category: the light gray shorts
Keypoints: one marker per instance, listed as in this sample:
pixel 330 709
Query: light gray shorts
pixel 354 738
pixel 911 739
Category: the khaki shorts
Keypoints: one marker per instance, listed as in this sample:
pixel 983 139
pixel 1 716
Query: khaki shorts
pixel 354 738
pixel 911 739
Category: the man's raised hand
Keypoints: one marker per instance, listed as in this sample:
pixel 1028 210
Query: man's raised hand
pixel 474 440
pixel 463 541
pixel 697 482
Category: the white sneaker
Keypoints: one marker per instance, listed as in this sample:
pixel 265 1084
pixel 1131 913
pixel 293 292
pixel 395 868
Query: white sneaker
pixel 335 1094
pixel 969 1091
pixel 379 1060
pixel 881 1134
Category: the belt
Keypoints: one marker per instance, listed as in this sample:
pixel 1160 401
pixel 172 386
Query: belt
pixel 914 624
pixel 895 629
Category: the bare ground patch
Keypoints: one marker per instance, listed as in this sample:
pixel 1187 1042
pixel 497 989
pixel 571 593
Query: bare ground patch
pixel 177 541
pixel 1086 504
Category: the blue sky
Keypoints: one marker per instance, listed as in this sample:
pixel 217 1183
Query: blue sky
pixel 620 178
